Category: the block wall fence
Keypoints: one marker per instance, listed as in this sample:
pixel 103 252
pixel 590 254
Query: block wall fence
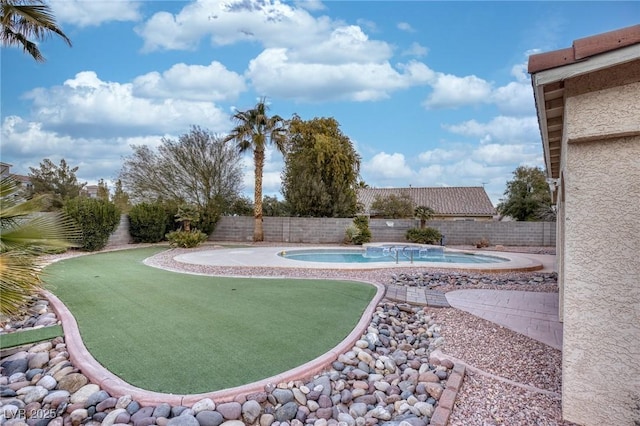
pixel 332 230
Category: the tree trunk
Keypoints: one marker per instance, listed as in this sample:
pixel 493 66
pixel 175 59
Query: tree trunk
pixel 258 158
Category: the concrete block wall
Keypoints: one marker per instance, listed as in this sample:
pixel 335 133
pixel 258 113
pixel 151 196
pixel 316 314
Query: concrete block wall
pixel 332 231
pixel 121 235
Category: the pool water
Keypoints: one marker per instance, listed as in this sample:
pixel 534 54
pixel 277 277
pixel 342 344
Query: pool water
pixel 356 256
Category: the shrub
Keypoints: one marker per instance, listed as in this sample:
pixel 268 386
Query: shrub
pixel 186 239
pixel 351 233
pixel 482 243
pixel 423 235
pixel 358 233
pixel 96 218
pixel 147 222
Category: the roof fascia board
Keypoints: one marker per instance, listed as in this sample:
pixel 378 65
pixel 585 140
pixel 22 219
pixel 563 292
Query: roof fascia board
pixel 591 64
pixel 538 95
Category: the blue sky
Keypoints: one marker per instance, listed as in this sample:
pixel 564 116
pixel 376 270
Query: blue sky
pixel 430 93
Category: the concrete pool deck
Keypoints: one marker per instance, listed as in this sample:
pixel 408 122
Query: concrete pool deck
pixel 269 257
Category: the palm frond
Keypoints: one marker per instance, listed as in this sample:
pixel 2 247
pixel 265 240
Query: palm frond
pixel 19 280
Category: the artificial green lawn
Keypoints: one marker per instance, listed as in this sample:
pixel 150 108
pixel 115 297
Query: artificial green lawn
pixel 33 335
pixel 180 333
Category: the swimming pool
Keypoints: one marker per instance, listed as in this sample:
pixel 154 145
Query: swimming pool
pixel 271 257
pixel 390 254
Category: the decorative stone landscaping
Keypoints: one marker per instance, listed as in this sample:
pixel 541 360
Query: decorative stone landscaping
pixel 387 377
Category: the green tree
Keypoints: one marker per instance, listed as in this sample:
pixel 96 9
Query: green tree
pixel 241 206
pixel 198 168
pixel 121 198
pixel 254 130
pixel 103 190
pixel 321 169
pixel 24 234
pixel 58 181
pixel 26 22
pixel 423 213
pixel 274 207
pixel 393 206
pixel 527 196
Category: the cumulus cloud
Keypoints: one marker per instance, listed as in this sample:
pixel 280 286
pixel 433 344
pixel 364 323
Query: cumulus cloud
pixel 416 49
pixel 388 166
pixel 501 129
pixel 310 4
pixel 226 22
pixel 213 82
pixel 515 98
pixel 450 91
pixel 440 155
pixel 93 13
pixel 304 57
pixel 97 158
pixel 504 154
pixel 273 72
pixel 346 44
pixel 86 105
pixel 405 26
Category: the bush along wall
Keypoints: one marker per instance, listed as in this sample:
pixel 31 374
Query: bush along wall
pixel 423 235
pixel 148 222
pixel 97 219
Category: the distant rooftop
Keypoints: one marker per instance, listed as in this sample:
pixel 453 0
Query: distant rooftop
pixel 445 201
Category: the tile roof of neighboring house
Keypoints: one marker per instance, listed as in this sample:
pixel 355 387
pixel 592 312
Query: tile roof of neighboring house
pixel 21 178
pixel 449 201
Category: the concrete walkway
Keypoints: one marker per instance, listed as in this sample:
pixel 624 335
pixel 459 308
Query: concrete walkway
pixel 533 314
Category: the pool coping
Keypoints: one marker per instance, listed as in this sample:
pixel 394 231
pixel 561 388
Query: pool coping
pixel 80 356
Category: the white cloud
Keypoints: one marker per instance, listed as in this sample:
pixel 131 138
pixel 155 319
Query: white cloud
pixel 226 22
pixel 497 154
pixel 344 45
pixel 502 129
pixel 405 26
pixel 440 155
pixel 310 4
pixel 85 13
pixel 388 166
pixel 86 105
pixel 273 72
pixel 515 98
pixel 191 82
pixel 416 49
pixel 97 158
pixel 431 175
pixel 305 58
pixel 450 91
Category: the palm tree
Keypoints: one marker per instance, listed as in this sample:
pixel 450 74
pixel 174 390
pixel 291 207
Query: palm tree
pixel 423 213
pixel 187 214
pixel 23 20
pixel 24 234
pixel 254 130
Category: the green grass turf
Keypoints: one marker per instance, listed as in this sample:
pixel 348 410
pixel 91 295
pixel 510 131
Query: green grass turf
pixel 19 338
pixel 179 333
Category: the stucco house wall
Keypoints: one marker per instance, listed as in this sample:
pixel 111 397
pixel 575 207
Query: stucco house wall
pixel 599 230
pixel 588 103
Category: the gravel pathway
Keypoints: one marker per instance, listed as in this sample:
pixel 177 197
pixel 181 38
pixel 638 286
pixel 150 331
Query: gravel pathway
pixel 511 379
